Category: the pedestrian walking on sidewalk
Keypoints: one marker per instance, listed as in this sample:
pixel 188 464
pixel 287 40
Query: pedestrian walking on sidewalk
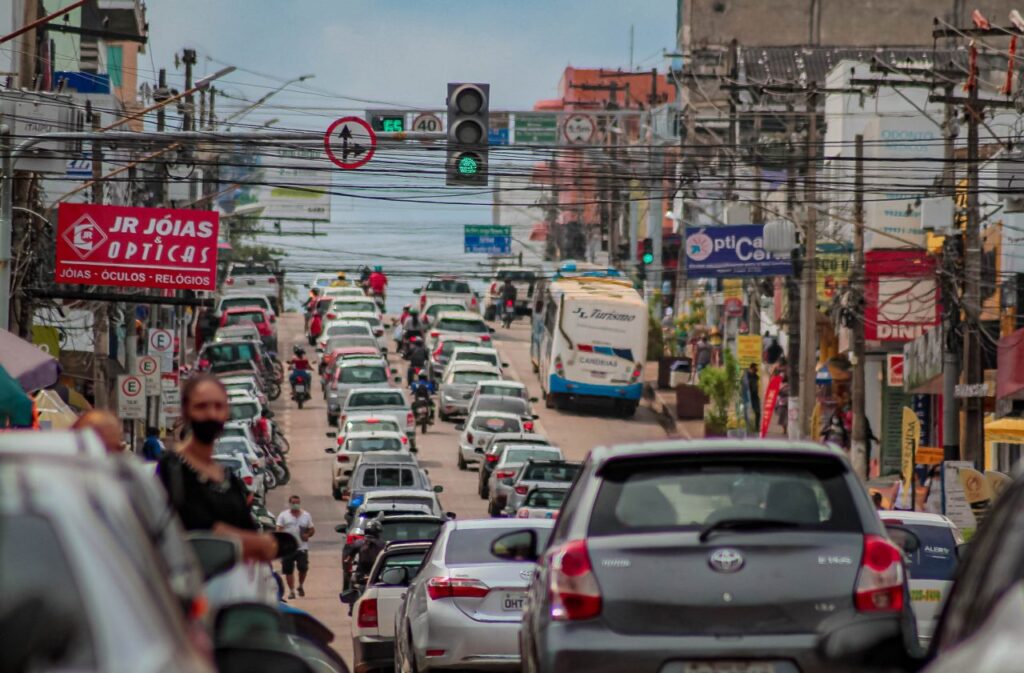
pixel 299 523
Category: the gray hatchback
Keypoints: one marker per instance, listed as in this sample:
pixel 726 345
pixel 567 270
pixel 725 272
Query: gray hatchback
pixel 678 557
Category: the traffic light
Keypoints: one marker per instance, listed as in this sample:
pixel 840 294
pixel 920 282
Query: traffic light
pixel 467 134
pixel 647 254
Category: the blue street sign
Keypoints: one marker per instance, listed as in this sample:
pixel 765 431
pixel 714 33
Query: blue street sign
pixel 488 239
pixel 497 136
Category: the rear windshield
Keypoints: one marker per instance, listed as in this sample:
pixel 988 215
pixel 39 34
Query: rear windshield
pixel 471 546
pixel 235 302
pixel 374 444
pixel 448 287
pixel 473 377
pixel 547 498
pixel 673 495
pixel 449 347
pixel 458 325
pixel 388 477
pixel 409 500
pixel 245 316
pixel 232 352
pixel 230 446
pixel 366 374
pixel 335 330
pixel 566 472
pixel 936 558
pixel 489 358
pixel 384 398
pixel 35 569
pixel 370 426
pixel 509 405
pixel 410 560
pixel 251 270
pixel 244 411
pixel 351 341
pixel 354 306
pixel 504 391
pixel 232 464
pixel 403 531
pixel 516 275
pixel 496 424
pixel 523 455
pixel 434 309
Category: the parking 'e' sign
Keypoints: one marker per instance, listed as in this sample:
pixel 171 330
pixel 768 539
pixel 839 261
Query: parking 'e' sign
pixel 131 397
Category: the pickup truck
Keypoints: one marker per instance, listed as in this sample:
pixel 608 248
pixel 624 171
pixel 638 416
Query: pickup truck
pixel 523 279
pixel 388 402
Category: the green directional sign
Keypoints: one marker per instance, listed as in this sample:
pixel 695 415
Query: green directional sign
pixel 536 128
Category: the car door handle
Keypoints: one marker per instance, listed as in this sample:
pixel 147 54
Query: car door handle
pixel 402 595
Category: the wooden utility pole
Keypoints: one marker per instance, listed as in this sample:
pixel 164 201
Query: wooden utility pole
pixel 101 326
pixel 808 282
pixel 974 421
pixel 859 438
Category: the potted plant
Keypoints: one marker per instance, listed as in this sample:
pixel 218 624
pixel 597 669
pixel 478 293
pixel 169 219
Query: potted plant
pixel 721 385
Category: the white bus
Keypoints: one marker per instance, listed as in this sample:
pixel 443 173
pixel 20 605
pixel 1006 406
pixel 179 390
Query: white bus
pixel 590 340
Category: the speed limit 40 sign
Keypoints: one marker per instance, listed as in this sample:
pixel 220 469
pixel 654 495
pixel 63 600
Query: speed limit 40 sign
pixel 131 397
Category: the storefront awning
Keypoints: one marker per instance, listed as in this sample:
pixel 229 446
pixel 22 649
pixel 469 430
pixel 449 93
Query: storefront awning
pixel 26 363
pixel 1005 431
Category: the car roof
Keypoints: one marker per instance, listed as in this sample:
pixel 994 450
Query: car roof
pixel 407 546
pixel 505 383
pixel 497 414
pixel 388 458
pixel 459 336
pixel 375 391
pixel 412 518
pixel 367 434
pixel 356 362
pixel 475 349
pixel 356 316
pixel 486 524
pixel 344 322
pixel 530 447
pixel 459 315
pixel 682 447
pixel 385 493
pixel 354 350
pixel 473 365
pixel 507 436
pixel 246 309
pixel 241 378
pixel 238 293
pixel 356 416
pixel 924 518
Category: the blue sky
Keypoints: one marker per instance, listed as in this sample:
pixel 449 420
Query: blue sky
pixel 403 51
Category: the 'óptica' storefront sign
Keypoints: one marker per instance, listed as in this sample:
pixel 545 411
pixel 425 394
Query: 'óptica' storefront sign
pixel 731 252
pixel 137 247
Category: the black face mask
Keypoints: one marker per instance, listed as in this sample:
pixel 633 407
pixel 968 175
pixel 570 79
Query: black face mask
pixel 206 431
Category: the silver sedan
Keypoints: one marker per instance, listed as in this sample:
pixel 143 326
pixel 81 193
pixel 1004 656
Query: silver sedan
pixel 464 607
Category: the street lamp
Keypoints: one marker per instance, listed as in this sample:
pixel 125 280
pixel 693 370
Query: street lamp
pixel 199 86
pixel 241 113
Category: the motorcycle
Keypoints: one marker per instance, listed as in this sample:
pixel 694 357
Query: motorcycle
pixel 403 349
pixel 300 389
pixel 423 413
pixel 379 300
pixel 508 314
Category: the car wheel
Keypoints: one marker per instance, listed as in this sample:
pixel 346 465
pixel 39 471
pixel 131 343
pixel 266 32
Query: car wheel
pixel 443 416
pixel 493 510
pixel 490 312
pixel 336 492
pixel 332 420
pixel 462 461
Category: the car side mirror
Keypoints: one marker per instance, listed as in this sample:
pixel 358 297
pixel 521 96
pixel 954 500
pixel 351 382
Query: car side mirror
pixel 331 449
pixel 273 318
pixel 491 330
pixel 349 596
pixel 259 659
pixel 216 554
pixel 438 489
pixel 341 528
pixel 460 426
pixel 962 550
pixel 417 290
pixel 332 435
pixel 520 545
pixel 396 577
pixel 478 450
pixel 504 364
pixel 398 379
pixel 413 449
pixel 535 416
pixel 348 472
pixel 451 515
pixel 534 400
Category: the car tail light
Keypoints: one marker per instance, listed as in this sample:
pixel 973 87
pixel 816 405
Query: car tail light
pixel 433 335
pixel 491 458
pixel 572 584
pixel 437 353
pixel 341 439
pixel 472 302
pixel 494 288
pixel 521 490
pixel 505 474
pixel 435 653
pixel 367 614
pixel 272 280
pixel 229 281
pixel 248 480
pixel 637 371
pixel 469 437
pixel 485 337
pixel 342 458
pixel 332 316
pixel 410 419
pixel 523 513
pixel 423 301
pixel 455 587
pixel 528 426
pixel 880 580
pixel 405 440
pixel 559 367
pixel 353 537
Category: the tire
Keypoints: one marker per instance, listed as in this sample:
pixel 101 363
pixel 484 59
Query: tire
pixel 462 461
pixel 551 401
pixel 489 313
pixel 270 480
pixel 443 416
pixel 273 390
pixel 300 400
pixel 493 510
pixel 283 445
pixel 629 409
pixel 484 490
pixel 287 476
pixel 336 492
pixel 278 370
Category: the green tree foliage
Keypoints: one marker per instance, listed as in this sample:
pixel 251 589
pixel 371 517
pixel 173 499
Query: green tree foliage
pixel 721 385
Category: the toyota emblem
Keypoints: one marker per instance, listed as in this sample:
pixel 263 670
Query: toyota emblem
pixel 725 560
pixel 526 574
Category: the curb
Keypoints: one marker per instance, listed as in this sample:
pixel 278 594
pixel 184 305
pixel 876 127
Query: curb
pixel 663 413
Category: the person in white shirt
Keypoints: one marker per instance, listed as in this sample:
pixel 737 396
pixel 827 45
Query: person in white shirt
pixel 299 523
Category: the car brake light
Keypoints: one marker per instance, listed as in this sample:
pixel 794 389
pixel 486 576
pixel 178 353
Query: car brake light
pixel 491 458
pixel 880 580
pixel 521 490
pixel 559 366
pixel 528 426
pixel 331 316
pixel 455 587
pixel 572 584
pixel 367 614
pixel 341 439
pixel 469 437
pixel 523 513
pixel 437 353
pixel 272 280
pixel 405 440
pixel 494 288
pixel 248 480
pixel 410 419
pixel 485 337
pixel 229 281
pixel 433 335
pixel 472 302
pixel 353 537
pixel 505 474
pixel 637 370
pixel 342 458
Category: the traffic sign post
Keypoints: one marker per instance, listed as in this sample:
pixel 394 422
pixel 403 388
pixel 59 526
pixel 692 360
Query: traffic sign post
pixel 170 400
pixel 579 129
pixel 488 239
pixel 350 142
pixel 147 368
pixel 131 397
pixel 161 346
pixel 428 122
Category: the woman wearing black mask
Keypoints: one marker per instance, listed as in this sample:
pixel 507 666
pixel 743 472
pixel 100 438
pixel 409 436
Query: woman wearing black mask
pixel 205 495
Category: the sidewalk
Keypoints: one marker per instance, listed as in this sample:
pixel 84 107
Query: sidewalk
pixel 663 403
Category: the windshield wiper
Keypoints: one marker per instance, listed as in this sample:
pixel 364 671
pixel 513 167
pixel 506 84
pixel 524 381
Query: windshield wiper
pixel 743 524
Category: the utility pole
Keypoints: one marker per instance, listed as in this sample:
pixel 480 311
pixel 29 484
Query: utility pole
pixel 101 325
pixel 188 57
pixel 792 321
pixel 950 258
pixel 654 218
pixel 808 285
pixel 974 429
pixel 6 225
pixel 858 439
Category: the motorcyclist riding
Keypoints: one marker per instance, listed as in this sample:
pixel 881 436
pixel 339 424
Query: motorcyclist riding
pixel 301 367
pixel 417 357
pixel 378 282
pixel 365 552
pixel 422 389
pixel 508 292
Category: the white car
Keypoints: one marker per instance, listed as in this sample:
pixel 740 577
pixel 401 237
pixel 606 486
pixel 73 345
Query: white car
pixel 252 277
pixel 343 291
pixel 241 299
pixel 357 443
pixel 341 327
pixel 458 322
pixel 366 423
pixel 254 483
pixel 245 384
pixel 487 356
pixel 457 386
pixel 931 567
pixel 478 430
pixel 448 290
pixel 371 319
pixel 373 626
pixel 341 305
pixel 244 408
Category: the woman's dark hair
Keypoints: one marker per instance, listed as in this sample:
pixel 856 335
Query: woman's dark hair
pixel 193 382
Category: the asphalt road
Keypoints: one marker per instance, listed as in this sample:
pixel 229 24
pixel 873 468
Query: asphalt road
pixel 575 431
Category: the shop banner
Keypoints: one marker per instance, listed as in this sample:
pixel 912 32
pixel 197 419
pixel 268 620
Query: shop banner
pixel 900 295
pixel 771 398
pixel 162 248
pixel 832 262
pixel 748 350
pixel 731 252
pixel 911 434
pixel 954 498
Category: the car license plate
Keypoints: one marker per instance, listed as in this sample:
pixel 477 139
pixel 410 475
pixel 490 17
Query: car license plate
pixel 727 667
pixel 513 602
pixel 251 282
pixel 299 388
pixel 599 375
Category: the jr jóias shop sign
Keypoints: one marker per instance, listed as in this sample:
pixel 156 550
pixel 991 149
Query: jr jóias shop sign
pixel 161 248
